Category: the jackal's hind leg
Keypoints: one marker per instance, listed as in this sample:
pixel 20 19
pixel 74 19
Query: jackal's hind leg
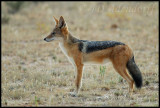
pixel 121 69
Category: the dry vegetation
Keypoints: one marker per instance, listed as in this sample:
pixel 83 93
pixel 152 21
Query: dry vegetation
pixel 36 73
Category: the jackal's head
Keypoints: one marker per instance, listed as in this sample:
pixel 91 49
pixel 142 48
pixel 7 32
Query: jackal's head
pixel 60 32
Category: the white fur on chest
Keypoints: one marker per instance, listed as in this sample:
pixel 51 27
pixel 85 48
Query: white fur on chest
pixel 65 53
pixel 63 49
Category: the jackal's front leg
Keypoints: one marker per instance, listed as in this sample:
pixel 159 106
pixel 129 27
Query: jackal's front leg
pixel 78 82
pixel 79 77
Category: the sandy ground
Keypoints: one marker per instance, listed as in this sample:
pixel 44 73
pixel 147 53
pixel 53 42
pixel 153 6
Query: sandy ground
pixel 37 73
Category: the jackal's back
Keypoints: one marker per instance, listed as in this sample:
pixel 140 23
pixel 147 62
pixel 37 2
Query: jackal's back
pixel 91 46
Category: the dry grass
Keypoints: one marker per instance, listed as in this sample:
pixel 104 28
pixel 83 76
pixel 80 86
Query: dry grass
pixel 36 73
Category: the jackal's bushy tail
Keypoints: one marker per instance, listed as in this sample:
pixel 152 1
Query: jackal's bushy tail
pixel 134 72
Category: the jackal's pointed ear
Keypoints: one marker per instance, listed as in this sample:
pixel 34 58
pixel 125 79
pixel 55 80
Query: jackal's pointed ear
pixel 62 23
pixel 56 20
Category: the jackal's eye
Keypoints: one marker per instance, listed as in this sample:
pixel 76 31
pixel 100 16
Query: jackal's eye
pixel 53 33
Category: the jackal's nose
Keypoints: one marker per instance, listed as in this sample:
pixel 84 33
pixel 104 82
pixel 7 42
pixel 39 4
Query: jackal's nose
pixel 44 38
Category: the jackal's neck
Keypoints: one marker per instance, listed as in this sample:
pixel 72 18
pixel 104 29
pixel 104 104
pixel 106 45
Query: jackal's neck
pixel 71 39
pixel 67 43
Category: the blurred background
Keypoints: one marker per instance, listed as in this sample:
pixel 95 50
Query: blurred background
pixel 36 73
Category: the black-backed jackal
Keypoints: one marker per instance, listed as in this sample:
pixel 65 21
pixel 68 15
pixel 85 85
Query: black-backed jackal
pixel 81 52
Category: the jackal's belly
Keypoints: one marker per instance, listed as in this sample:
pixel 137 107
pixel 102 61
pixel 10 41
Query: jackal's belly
pixel 95 62
pixel 97 57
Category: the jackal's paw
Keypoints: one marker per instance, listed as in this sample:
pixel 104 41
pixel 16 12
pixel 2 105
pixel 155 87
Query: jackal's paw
pixel 73 94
